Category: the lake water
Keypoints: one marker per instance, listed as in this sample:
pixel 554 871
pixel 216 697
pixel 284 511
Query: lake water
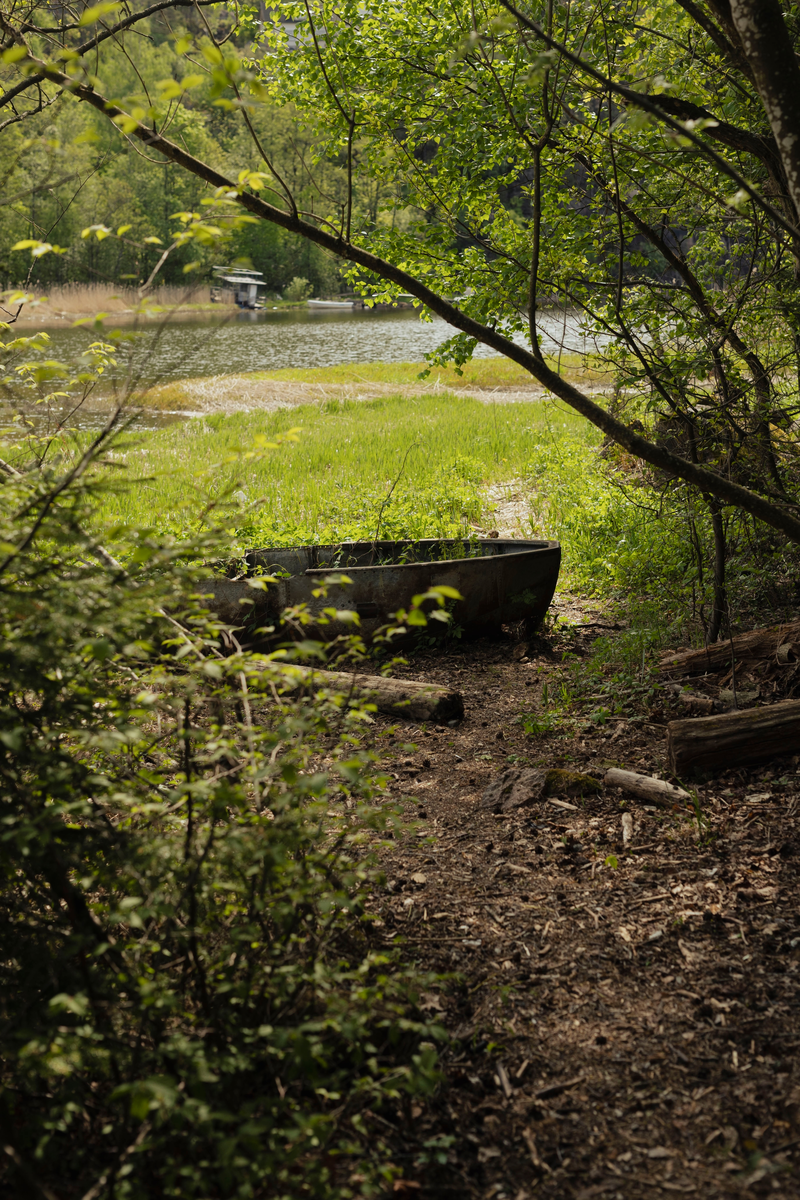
pixel 269 341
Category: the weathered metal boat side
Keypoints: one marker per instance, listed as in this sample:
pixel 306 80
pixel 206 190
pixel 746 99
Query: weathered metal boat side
pixel 502 580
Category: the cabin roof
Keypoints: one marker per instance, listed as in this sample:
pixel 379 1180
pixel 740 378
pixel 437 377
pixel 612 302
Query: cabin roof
pixel 241 279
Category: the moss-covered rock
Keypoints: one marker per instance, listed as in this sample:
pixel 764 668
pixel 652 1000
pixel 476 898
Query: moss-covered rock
pixel 570 783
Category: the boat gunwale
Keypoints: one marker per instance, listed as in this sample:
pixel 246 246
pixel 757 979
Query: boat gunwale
pixel 532 547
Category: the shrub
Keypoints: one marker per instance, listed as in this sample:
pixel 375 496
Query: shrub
pixel 299 289
pixel 192 1004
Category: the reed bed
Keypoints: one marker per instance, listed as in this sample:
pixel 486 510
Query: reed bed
pixel 71 301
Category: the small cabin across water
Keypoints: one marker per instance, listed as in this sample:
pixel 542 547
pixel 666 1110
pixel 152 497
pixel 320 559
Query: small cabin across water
pixel 237 285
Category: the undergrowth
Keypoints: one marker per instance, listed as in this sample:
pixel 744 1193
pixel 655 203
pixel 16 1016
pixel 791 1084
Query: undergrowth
pixel 191 1004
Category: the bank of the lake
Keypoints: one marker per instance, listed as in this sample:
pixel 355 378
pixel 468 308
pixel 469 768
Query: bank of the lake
pixel 233 342
pixel 435 464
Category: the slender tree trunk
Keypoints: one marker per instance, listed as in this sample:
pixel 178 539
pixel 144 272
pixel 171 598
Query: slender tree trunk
pixel 720 606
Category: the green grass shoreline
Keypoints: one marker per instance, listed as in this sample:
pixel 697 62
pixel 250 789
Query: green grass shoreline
pixel 439 462
pixel 433 464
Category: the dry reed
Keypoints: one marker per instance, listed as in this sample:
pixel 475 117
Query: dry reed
pixel 71 301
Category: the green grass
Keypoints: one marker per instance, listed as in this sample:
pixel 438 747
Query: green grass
pixel 437 454
pixel 332 482
pixel 423 465
pixel 484 373
pixel 448 451
pixel 480 372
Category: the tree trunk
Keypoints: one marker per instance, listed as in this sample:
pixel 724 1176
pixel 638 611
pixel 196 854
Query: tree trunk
pixel 720 598
pixel 768 47
pixel 727 740
pixel 399 697
pixel 747 647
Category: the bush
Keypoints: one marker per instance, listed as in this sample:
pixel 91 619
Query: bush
pixel 191 1001
pixel 299 289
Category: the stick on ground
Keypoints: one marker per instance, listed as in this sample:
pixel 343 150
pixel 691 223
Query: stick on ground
pixel 647 787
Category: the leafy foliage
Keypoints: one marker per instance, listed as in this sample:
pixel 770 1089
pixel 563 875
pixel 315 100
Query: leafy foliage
pixel 191 1003
pixel 73 180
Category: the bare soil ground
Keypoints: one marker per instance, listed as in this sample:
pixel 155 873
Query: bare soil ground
pixel 623 1017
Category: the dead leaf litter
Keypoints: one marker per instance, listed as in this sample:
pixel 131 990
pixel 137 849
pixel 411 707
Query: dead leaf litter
pixel 620 985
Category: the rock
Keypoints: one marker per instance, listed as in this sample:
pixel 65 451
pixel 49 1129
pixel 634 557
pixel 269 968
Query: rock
pixel 571 783
pixel 515 789
pixel 518 788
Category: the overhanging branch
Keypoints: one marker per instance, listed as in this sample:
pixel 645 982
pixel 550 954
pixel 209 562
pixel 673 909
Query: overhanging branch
pixel 657 456
pixel 647 104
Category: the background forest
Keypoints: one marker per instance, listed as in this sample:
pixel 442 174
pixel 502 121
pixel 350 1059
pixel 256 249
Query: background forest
pixel 69 169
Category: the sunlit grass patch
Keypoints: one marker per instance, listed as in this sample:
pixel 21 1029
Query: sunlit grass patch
pixel 479 373
pixel 167 397
pixel 441 451
pixel 414 466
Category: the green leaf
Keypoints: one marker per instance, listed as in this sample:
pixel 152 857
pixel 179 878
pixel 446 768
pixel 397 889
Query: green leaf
pixel 13 54
pixel 91 15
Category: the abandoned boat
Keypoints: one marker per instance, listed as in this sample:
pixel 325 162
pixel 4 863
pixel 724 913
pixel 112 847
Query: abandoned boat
pixel 501 580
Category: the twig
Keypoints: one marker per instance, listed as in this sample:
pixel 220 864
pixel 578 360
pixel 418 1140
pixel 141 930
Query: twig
pixel 733 659
pixel 413 446
pixel 37 1188
pixel 98 1187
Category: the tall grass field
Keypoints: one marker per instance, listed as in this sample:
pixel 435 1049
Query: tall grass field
pixel 435 462
pixel 397 466
pixel 416 467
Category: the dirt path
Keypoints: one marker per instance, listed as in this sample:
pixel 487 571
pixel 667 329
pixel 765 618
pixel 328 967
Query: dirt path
pixel 624 1020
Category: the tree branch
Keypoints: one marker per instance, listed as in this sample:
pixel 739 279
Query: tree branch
pixel 641 447
pixel 649 105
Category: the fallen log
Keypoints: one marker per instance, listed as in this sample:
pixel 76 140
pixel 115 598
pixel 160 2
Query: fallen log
pixel 399 697
pixel 654 791
pixel 727 740
pixel 747 647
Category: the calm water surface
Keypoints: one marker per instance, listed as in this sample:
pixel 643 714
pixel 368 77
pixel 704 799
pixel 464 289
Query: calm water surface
pixel 266 341
pixel 269 341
